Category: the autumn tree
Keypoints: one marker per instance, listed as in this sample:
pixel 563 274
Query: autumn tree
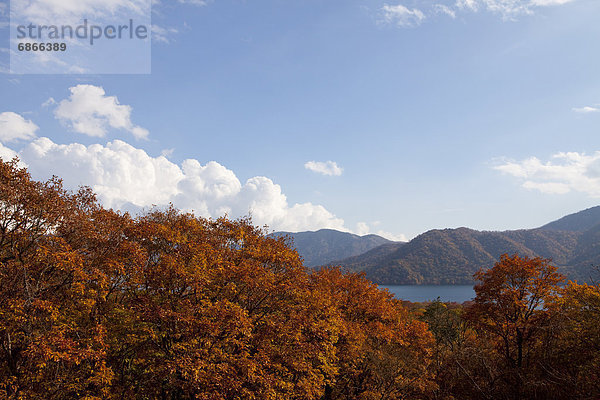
pixel 570 367
pixel 446 324
pixel 382 351
pixel 97 304
pixel 51 344
pixel 511 307
pixel 215 309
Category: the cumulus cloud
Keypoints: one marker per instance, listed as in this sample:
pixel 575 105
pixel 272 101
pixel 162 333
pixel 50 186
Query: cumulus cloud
pixel 14 127
pixel 329 168
pixel 401 15
pixel 564 173
pixel 167 152
pixel 8 154
pixel 127 178
pixel 89 111
pixel 118 172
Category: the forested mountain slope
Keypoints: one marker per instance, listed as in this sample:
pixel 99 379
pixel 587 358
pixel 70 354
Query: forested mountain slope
pixel 452 256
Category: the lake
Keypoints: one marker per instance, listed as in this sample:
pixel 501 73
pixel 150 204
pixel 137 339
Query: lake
pixel 420 293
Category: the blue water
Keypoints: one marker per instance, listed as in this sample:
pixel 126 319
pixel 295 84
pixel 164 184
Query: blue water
pixel 419 293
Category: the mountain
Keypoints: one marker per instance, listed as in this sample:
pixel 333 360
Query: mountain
pixel 323 246
pixel 578 222
pixel 451 256
pixel 586 259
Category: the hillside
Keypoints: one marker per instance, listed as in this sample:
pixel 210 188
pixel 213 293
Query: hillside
pixel 578 222
pixel 323 246
pixel 586 258
pixel 451 256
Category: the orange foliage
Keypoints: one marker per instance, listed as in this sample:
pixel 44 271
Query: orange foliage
pixel 97 305
pixel 512 302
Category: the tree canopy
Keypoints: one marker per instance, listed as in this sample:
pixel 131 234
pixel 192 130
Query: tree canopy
pixel 96 304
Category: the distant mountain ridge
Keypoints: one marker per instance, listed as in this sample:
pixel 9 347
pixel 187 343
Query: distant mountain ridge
pixel 452 256
pixel 325 245
pixel 578 222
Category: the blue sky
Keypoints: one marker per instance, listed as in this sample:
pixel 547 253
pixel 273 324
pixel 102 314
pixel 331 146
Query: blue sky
pixel 478 113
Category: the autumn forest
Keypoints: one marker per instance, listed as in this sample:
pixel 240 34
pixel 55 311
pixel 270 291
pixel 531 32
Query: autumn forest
pixel 99 304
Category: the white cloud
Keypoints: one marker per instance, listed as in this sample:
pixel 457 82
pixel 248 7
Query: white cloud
pixel 401 15
pixel 7 154
pixel 14 127
pixel 362 229
pixel 512 8
pixel 544 3
pixel 586 109
pixel 161 34
pixel 329 168
pixel 471 5
pixel 566 172
pixel 444 9
pixel 58 11
pixel 194 2
pixel 509 9
pixel 89 111
pixel 118 172
pixel 167 152
pixel 49 102
pixel 392 236
pixel 164 34
pixel 548 187
pixel 127 178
